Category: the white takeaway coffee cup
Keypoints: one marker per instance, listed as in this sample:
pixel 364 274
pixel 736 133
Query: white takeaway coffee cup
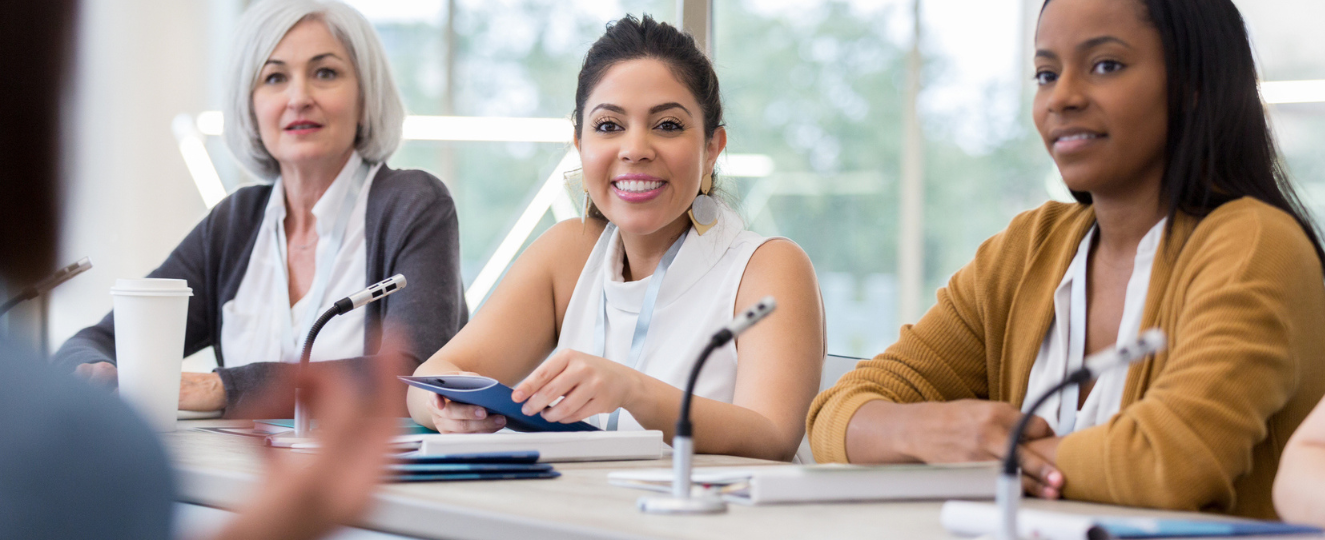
pixel 150 318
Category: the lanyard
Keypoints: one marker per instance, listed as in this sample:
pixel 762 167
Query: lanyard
pixel 1076 340
pixel 317 292
pixel 642 323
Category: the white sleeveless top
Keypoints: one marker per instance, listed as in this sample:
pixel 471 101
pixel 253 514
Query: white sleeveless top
pixel 697 298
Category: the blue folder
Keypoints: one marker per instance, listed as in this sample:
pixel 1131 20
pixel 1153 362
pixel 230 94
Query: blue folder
pixel 494 397
pixel 471 476
pixel 413 467
pixel 414 456
pixel 1185 528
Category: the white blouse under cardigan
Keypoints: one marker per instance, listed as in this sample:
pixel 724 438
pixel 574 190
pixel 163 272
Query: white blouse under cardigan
pixel 260 325
pixel 1064 344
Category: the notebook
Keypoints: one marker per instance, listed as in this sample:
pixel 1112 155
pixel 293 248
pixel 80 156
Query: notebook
pixel 970 519
pixel 829 483
pixel 407 426
pixel 412 467
pixel 493 396
pixel 551 446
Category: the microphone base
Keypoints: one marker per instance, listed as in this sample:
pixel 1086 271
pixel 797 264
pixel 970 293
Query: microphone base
pixel 673 505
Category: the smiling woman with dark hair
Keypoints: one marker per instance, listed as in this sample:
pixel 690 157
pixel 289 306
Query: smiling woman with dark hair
pixel 1184 222
pixel 573 325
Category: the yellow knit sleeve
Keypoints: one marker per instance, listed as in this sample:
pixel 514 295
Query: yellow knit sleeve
pixel 940 358
pixel 1233 362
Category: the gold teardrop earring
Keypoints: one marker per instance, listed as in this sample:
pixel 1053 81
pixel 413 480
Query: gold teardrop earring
pixel 577 177
pixel 704 210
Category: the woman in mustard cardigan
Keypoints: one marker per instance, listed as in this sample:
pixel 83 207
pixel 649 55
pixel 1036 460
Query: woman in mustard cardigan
pixel 1184 222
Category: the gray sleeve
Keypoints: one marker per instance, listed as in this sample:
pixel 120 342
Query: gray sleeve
pixel 189 261
pixel 420 239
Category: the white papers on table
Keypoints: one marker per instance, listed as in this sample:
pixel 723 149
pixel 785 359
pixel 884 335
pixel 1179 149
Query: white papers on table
pixel 829 483
pixel 973 519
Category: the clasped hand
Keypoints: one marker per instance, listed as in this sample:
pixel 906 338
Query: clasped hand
pixel 568 387
pixel 977 430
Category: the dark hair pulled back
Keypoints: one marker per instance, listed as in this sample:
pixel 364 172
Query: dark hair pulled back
pixel 630 38
pixel 1219 144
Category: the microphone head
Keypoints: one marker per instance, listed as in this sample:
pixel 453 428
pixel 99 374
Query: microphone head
pixel 752 315
pixel 63 274
pixel 377 291
pixel 1148 343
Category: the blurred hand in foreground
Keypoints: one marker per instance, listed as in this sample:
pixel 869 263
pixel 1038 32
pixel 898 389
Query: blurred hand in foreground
pixel 306 497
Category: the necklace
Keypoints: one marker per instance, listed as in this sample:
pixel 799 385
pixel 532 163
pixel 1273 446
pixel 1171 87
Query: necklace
pixel 305 246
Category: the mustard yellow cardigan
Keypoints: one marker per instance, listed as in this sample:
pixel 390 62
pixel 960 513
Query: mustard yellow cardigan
pixel 1240 294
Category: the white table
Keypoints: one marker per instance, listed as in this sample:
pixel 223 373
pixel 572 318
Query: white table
pixel 221 470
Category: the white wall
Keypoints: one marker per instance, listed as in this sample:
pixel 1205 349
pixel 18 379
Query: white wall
pixel 128 197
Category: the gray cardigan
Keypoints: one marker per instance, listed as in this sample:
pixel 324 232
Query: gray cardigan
pixel 411 229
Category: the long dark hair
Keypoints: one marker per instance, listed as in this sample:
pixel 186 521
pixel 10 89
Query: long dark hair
pixel 629 38
pixel 1219 143
pixel 33 52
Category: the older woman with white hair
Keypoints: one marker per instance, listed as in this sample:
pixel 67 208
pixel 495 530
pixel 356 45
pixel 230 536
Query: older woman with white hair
pixel 314 110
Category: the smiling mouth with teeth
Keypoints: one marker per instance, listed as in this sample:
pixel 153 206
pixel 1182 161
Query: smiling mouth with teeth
pixel 637 186
pixel 1078 137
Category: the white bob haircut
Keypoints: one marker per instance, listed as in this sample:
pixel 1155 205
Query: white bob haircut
pixel 261 29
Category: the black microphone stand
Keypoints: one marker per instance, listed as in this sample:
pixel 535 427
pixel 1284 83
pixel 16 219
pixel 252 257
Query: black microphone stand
pixel 303 422
pixel 60 276
pixel 683 446
pixel 1008 493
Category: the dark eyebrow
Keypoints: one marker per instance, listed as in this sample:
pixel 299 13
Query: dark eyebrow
pixel 1084 46
pixel 667 106
pixel 608 106
pixel 1096 42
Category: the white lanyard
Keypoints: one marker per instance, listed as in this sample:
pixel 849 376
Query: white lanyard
pixel 642 323
pixel 317 292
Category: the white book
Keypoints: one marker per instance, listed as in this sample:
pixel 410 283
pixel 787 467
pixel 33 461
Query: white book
pixel 551 446
pixel 830 483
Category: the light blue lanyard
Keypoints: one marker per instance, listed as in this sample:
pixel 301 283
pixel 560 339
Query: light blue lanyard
pixel 317 292
pixel 641 324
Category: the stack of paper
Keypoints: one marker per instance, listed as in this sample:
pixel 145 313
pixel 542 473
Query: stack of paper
pixel 829 483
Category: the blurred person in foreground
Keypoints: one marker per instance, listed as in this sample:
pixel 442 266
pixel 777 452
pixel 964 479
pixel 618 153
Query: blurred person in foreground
pixel 1185 222
pixel 74 462
pixel 312 109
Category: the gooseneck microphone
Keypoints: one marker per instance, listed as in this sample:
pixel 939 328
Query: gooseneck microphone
pixel 1008 494
pixel 41 287
pixel 683 448
pixel 378 291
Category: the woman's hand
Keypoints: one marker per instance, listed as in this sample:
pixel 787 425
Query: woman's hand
pixel 978 430
pixel 305 497
pixel 586 384
pixel 953 432
pixel 451 417
pixel 201 392
pixel 99 373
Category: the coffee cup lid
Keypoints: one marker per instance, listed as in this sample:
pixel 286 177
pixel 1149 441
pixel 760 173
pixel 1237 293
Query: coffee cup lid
pixel 152 287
